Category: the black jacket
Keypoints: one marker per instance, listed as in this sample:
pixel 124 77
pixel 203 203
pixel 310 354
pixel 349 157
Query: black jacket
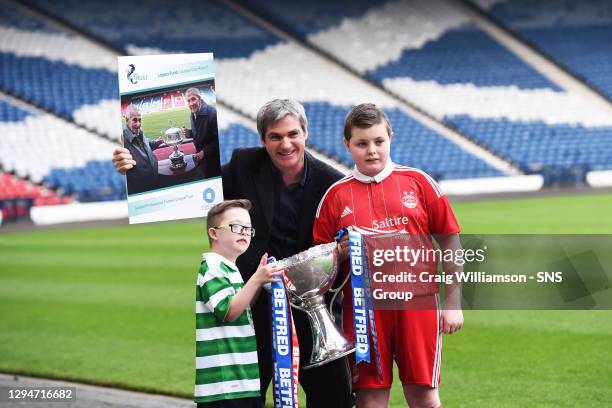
pixel 143 177
pixel 205 134
pixel 249 174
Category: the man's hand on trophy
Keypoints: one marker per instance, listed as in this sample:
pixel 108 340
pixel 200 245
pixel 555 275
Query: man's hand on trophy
pixel 159 141
pixel 199 155
pixel 122 159
pixel 267 272
pixel 185 132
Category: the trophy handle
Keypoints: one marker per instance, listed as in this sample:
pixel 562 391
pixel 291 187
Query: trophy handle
pixel 297 303
pixel 335 292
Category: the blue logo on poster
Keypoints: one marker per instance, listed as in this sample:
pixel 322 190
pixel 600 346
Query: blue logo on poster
pixel 131 76
pixel 209 195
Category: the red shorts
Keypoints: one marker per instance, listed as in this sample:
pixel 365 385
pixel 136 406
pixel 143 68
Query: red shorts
pixel 410 337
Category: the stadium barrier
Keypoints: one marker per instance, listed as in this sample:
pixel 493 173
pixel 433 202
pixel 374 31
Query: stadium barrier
pixel 599 178
pixel 114 210
pixel 488 185
pixel 79 212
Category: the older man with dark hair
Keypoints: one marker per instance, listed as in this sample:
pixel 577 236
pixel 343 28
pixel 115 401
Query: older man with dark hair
pixel 284 184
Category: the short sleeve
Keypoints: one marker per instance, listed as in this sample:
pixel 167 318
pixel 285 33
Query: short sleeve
pixel 324 227
pixel 215 290
pixel 441 217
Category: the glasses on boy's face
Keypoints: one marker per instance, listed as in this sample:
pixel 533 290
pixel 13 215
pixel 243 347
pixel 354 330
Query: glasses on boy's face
pixel 238 229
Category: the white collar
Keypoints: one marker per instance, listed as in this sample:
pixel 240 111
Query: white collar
pixel 377 178
pixel 212 258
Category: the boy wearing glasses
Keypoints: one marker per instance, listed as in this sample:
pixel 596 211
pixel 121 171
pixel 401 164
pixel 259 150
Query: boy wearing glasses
pixel 227 373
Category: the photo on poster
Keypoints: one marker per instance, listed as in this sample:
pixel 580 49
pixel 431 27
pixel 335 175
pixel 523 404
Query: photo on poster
pixel 169 126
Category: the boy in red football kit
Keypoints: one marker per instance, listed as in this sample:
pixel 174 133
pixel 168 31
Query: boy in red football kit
pixel 382 197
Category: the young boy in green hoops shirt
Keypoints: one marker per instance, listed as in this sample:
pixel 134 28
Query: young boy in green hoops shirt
pixel 227 371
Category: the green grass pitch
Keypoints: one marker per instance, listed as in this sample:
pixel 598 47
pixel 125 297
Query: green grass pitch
pixel 114 306
pixel 155 123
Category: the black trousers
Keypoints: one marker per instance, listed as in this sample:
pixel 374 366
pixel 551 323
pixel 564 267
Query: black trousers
pixel 328 385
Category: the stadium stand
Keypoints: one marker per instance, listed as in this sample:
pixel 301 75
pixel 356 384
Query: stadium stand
pixel 251 72
pixel 12 16
pixel 17 196
pixel 178 26
pixel 426 51
pixel 47 149
pixel 56 71
pixel 429 53
pixel 55 86
pixel 166 101
pixel 235 131
pixel 584 26
pixel 413 143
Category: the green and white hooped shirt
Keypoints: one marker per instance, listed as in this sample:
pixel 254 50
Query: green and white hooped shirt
pixel 226 352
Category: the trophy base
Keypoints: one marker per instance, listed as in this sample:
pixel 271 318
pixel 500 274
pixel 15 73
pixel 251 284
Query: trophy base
pixel 329 358
pixel 328 342
pixel 177 163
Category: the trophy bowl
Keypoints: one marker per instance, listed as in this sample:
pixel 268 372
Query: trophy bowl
pixel 310 274
pixel 173 137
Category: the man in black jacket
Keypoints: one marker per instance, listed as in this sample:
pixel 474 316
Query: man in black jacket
pixel 204 130
pixel 284 184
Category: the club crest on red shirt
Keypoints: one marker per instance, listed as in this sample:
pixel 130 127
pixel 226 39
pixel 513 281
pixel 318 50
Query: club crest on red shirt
pixel 409 200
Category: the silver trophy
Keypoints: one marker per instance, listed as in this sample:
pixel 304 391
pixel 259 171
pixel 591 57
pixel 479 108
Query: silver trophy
pixel 310 275
pixel 173 137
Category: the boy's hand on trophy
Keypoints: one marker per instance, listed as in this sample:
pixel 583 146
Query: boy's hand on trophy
pixel 343 249
pixel 267 272
pixel 122 159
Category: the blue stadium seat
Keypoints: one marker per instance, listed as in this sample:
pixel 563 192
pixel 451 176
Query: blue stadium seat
pixel 533 146
pixel 234 136
pixel 585 28
pixel 96 181
pixel 55 86
pixel 414 144
pixel 464 55
pixel 177 26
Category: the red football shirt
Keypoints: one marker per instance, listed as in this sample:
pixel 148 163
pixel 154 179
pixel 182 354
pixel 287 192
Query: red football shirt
pixel 397 200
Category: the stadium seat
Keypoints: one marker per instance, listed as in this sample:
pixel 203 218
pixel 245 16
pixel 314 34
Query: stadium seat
pixel 585 27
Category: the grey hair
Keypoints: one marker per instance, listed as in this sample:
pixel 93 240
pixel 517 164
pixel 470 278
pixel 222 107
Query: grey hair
pixel 194 91
pixel 275 110
pixel 131 110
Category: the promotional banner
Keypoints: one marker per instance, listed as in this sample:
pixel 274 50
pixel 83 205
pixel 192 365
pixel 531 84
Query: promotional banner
pixel 169 121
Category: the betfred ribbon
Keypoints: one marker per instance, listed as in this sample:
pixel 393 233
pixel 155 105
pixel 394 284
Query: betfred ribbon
pixel 364 322
pixel 360 311
pixel 285 348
